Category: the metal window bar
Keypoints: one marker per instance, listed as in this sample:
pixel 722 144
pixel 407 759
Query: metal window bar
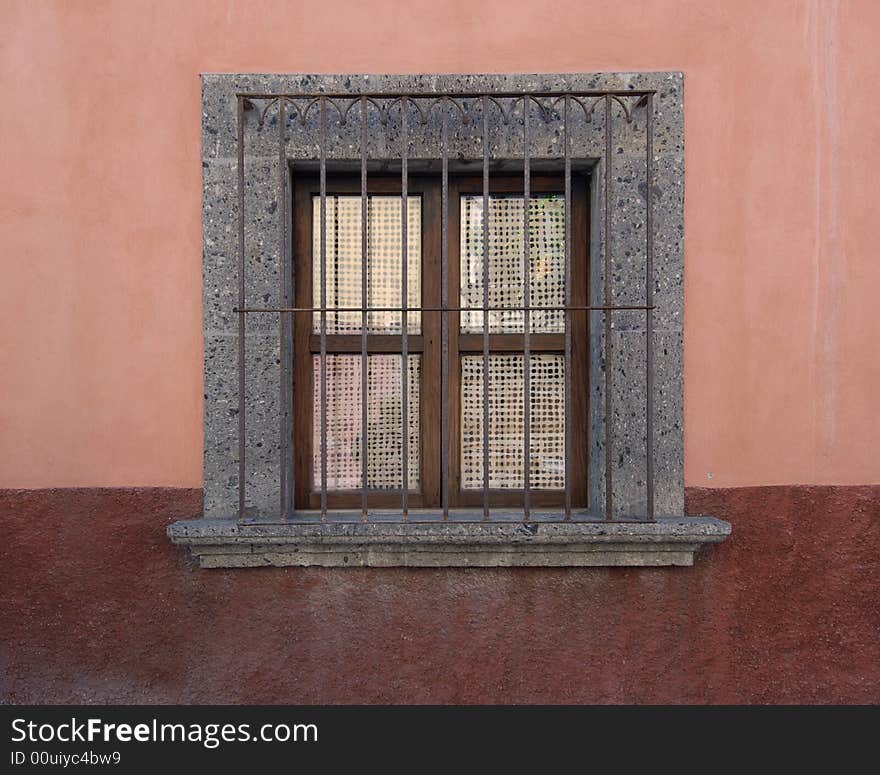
pixel 582 98
pixel 649 305
pixel 364 303
pixel 527 300
pixel 282 317
pixel 444 303
pixel 606 247
pixel 566 139
pixel 284 321
pixel 404 323
pixel 485 308
pixel 242 317
pixel 533 308
pixel 323 185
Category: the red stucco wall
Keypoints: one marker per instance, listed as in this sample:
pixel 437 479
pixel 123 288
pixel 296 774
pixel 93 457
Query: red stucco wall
pixel 100 211
pixel 99 607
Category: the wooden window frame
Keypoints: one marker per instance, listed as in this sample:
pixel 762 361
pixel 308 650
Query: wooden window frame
pixel 428 343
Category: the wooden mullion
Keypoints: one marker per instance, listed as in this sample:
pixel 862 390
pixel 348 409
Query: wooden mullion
pixel 513 343
pixel 301 260
pixel 376 343
pixel 454 296
pixel 429 342
pixel 580 349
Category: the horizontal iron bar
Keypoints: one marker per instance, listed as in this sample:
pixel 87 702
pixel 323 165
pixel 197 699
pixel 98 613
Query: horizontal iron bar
pixel 440 309
pixel 386 517
pixel 438 95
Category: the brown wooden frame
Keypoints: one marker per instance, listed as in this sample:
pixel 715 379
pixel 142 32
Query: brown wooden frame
pixel 427 344
pixel 539 343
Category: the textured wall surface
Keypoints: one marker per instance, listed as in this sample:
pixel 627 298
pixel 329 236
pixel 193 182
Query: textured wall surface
pixel 99 607
pixel 100 219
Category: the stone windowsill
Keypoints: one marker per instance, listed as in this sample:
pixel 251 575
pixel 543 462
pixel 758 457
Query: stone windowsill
pixel 224 543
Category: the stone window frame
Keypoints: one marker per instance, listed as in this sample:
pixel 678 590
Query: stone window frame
pixel 218 539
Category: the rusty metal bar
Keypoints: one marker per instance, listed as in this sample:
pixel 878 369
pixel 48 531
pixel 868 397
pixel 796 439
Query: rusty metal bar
pixel 567 313
pixel 609 503
pixel 335 294
pixel 649 302
pixel 444 317
pixel 292 386
pixel 364 303
pixel 282 296
pixel 404 323
pixel 241 316
pixel 485 308
pixel 284 321
pixel 286 478
pixel 323 184
pixel 464 516
pixel 439 95
pixel 527 300
pixel 548 308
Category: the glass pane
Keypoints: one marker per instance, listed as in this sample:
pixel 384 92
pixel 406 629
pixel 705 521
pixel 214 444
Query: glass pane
pixel 384 413
pixel 384 279
pixel 546 262
pixel 506 391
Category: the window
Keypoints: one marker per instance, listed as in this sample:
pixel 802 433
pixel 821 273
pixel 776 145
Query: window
pixel 270 496
pixel 371 448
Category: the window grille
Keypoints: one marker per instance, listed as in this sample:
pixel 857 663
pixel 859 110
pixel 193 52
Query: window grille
pixel 376 445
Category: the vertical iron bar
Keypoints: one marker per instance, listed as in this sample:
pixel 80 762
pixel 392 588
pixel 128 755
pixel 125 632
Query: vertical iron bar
pixel 444 303
pixel 649 302
pixel 485 308
pixel 241 314
pixel 286 436
pixel 527 300
pixel 364 301
pixel 323 186
pixel 335 295
pixel 609 513
pixel 568 273
pixel 404 292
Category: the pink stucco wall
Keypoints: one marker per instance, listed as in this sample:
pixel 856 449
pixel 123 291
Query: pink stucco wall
pixel 100 211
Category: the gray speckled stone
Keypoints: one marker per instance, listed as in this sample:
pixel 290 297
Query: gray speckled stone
pixel 265 431
pixel 224 543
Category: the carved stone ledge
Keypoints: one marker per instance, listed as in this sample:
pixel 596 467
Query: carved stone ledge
pixel 225 543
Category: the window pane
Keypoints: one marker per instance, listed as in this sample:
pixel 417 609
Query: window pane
pixel 506 391
pixel 384 278
pixel 384 413
pixel 546 262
